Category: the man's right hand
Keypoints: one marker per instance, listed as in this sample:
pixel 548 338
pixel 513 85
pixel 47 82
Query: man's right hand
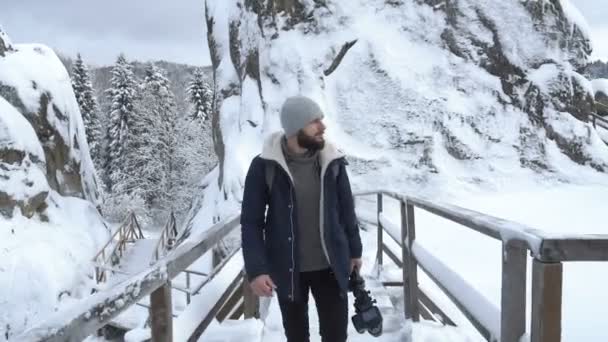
pixel 262 286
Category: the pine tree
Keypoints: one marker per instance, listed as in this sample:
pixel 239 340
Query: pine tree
pixel 122 95
pixel 154 144
pixel 83 89
pixel 195 156
pixel 200 95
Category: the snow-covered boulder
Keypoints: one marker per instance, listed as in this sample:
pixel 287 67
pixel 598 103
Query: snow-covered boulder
pixel 50 228
pixel 35 85
pixel 422 95
pixel 22 174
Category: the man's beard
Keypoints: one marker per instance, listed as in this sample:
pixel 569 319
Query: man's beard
pixel 309 142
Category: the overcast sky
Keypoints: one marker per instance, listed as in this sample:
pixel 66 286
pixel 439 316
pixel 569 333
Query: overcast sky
pixel 173 30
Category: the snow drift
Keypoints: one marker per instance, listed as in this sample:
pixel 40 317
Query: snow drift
pixel 49 226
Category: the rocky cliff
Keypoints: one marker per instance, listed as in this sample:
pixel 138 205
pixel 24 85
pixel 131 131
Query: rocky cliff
pixel 36 92
pixel 49 225
pixel 421 94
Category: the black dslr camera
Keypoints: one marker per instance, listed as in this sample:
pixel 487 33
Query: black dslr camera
pixel 367 315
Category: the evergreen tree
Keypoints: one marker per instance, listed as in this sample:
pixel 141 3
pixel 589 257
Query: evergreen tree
pixel 154 143
pixel 83 89
pixel 122 96
pixel 200 95
pixel 195 156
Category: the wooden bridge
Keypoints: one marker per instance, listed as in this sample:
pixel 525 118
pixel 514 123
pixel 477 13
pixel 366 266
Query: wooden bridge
pixel 227 296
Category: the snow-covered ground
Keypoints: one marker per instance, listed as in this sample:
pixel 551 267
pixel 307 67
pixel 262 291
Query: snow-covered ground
pixel 43 265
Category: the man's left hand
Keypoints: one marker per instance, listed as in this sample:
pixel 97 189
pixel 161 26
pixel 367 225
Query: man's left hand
pixel 355 263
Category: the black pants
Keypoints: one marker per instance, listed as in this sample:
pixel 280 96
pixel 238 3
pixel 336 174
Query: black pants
pixel 332 308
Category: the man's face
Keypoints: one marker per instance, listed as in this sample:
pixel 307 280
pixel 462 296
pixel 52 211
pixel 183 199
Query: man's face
pixel 311 136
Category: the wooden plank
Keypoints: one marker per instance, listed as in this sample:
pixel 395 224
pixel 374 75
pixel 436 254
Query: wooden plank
pixel 215 271
pixel 380 243
pixel 102 307
pixel 488 225
pixel 161 314
pixel 546 301
pixel 477 221
pixel 426 313
pixel 426 300
pixel 239 311
pixel 391 229
pixel 216 308
pixel 392 283
pixel 188 294
pixel 202 274
pixel 452 291
pixel 410 271
pixel 228 307
pixel 575 248
pixel 251 301
pixel 181 289
pixel 392 256
pixel 513 293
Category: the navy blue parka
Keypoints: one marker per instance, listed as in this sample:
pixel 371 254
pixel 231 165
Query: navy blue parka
pixel 269 239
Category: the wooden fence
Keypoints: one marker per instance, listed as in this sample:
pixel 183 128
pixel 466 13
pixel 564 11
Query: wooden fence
pixel 96 311
pixel 507 323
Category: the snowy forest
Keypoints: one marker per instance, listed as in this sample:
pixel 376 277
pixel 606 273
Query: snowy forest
pixel 149 133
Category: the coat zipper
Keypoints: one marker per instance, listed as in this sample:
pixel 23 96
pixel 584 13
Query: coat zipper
pixel 322 214
pixel 293 241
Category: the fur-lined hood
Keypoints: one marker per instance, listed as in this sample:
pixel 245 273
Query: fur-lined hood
pixel 272 150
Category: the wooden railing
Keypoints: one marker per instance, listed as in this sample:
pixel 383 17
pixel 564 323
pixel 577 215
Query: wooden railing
pixel 111 253
pixel 602 106
pixel 167 238
pixel 507 323
pixel 76 323
pixel 598 121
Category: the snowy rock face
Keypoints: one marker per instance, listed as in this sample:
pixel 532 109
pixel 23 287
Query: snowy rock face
pixel 5 43
pixel 42 131
pixel 428 91
pixel 50 228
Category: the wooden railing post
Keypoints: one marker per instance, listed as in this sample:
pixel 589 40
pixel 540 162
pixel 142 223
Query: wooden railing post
pixel 380 253
pixel 410 266
pixel 161 314
pixel 188 295
pixel 546 301
pixel 250 301
pixel 513 293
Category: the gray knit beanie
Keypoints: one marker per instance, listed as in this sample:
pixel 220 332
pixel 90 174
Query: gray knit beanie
pixel 297 112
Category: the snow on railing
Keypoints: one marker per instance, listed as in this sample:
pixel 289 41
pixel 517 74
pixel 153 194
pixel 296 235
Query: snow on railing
pixel 509 323
pixel 460 292
pixel 392 229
